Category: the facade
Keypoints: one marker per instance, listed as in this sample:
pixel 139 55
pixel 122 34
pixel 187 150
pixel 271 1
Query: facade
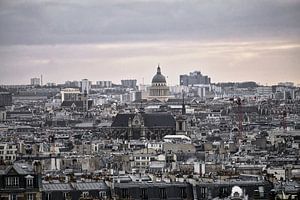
pixel 253 189
pixel 8 152
pixel 159 89
pixel 161 190
pixel 5 99
pixel 2 114
pixel 194 78
pixel 20 181
pixel 264 91
pixel 143 126
pixel 79 105
pixel 69 94
pixel 75 191
pixel 85 86
pixel 72 84
pixel 104 84
pixel 35 81
pixel 132 96
pixel 129 83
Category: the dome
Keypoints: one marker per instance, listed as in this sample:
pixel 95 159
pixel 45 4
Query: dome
pixel 158 78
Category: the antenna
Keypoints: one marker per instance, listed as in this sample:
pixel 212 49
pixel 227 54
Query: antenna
pixel 41 79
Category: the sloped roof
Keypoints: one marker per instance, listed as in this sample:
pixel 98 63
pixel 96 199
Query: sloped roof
pixel 159 119
pixel 78 104
pixel 154 101
pixel 121 120
pixel 57 187
pixel 19 168
pixel 90 186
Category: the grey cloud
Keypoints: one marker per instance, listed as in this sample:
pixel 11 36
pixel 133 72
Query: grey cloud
pixel 70 22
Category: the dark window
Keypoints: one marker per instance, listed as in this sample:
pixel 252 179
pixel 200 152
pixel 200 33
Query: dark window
pixel 163 193
pixel 144 194
pixel 13 197
pixel 29 182
pixel 48 196
pixel 12 181
pixel 202 192
pixel 30 196
pixel 125 193
pixel 180 126
pixel 183 194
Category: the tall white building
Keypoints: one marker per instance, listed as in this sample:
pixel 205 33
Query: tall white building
pixel 69 94
pixel 85 86
pixel 178 89
pixel 104 84
pixel 35 81
pixel 264 91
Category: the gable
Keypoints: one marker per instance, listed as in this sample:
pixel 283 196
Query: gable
pixel 137 120
pixel 12 171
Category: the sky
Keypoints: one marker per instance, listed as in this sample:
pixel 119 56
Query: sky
pixel 232 40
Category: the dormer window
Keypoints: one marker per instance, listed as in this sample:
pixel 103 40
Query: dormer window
pixel 12 181
pixel 30 196
pixel 29 181
pixel 85 194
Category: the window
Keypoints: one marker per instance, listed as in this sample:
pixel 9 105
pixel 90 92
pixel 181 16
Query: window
pixel 48 196
pixel 12 181
pixel 29 196
pixel 144 194
pixel 29 182
pixel 183 194
pixel 12 197
pixel 102 194
pixel 66 195
pixel 203 192
pixel 180 126
pixel 125 193
pixel 85 194
pixel 162 193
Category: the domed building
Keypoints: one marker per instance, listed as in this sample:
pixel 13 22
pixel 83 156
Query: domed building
pixel 159 89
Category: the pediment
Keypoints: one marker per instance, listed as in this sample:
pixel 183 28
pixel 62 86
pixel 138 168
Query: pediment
pixel 137 120
pixel 12 171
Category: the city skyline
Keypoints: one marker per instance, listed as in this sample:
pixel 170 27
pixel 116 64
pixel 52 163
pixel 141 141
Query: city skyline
pixel 257 41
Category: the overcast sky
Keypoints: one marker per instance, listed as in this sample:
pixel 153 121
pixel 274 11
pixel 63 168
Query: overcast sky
pixel 232 40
